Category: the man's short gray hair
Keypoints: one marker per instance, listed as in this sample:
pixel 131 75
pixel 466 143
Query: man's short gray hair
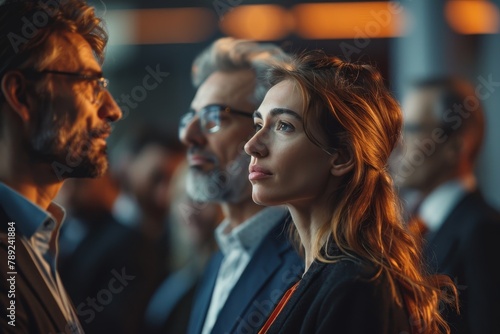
pixel 228 54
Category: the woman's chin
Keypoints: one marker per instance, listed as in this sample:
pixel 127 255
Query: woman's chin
pixel 265 199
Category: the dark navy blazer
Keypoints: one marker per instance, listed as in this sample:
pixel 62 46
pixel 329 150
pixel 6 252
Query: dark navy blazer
pixel 466 248
pixel 273 269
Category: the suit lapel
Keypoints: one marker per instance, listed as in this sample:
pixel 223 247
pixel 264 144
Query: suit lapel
pixel 303 287
pixel 264 263
pixel 442 244
pixel 40 289
pixel 439 249
pixel 204 295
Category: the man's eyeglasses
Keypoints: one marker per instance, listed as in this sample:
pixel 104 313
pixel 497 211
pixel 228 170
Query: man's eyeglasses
pixel 209 117
pixel 99 88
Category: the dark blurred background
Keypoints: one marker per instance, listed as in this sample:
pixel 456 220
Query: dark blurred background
pixel 406 40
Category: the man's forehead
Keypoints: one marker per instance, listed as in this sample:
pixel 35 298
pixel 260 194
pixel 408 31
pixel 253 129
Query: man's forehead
pixel 234 88
pixel 78 51
pixel 419 106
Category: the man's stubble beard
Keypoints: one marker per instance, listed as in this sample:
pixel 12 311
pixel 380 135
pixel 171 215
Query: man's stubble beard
pixel 54 141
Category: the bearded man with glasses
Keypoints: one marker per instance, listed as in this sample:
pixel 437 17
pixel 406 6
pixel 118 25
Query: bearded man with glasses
pixel 256 263
pixel 55 115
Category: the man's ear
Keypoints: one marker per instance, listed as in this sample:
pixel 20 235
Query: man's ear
pixel 13 87
pixel 342 162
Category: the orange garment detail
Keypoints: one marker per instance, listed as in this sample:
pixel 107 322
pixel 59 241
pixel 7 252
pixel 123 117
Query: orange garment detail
pixel 277 310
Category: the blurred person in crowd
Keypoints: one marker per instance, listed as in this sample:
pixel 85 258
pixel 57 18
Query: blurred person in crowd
pixel 134 257
pixel 169 308
pixel 55 114
pixel 444 127
pixel 155 158
pixel 256 262
pixel 96 251
pixel 88 204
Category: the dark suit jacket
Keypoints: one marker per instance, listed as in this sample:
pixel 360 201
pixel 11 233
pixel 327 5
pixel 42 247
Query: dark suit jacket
pixel 36 309
pixel 169 308
pixel 274 267
pixel 339 298
pixel 466 248
pixel 109 251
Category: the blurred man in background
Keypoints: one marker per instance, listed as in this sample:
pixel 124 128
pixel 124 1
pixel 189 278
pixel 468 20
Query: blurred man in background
pixel 256 263
pixel 137 250
pixel 194 222
pixel 443 133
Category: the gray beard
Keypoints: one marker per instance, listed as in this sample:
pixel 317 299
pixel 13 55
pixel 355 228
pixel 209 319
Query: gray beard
pixel 228 185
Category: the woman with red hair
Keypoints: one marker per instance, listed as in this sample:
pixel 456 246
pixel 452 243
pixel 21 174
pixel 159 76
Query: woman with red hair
pixel 324 133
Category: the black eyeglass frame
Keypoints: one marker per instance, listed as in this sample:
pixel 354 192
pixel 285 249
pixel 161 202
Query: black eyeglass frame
pixel 102 82
pixel 191 114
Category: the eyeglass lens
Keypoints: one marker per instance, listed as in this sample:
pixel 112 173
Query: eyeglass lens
pixel 99 89
pixel 209 118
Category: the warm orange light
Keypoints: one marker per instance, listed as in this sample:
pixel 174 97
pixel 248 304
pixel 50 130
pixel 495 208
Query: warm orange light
pixel 472 16
pixel 257 22
pixel 348 20
pixel 173 25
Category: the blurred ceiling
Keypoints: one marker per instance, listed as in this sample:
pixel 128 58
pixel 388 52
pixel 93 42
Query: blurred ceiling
pixel 167 35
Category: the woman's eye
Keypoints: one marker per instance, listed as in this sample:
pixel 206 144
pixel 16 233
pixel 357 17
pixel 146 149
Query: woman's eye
pixel 281 126
pixel 257 127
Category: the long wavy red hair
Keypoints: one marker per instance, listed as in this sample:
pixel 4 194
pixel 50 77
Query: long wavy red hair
pixel 351 106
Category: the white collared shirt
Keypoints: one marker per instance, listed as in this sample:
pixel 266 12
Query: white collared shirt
pixel 36 228
pixel 238 247
pixel 437 206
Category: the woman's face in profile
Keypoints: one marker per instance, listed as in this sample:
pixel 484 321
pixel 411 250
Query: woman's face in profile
pixel 286 167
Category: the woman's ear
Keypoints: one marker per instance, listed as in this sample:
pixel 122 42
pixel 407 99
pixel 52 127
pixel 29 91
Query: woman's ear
pixel 342 162
pixel 13 87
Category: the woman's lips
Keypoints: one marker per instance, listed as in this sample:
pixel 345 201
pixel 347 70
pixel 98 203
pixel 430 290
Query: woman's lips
pixel 258 173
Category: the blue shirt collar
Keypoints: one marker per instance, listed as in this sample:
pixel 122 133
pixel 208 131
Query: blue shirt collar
pixel 28 216
pixel 250 233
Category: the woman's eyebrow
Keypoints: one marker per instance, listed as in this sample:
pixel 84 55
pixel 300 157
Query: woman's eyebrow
pixel 279 111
